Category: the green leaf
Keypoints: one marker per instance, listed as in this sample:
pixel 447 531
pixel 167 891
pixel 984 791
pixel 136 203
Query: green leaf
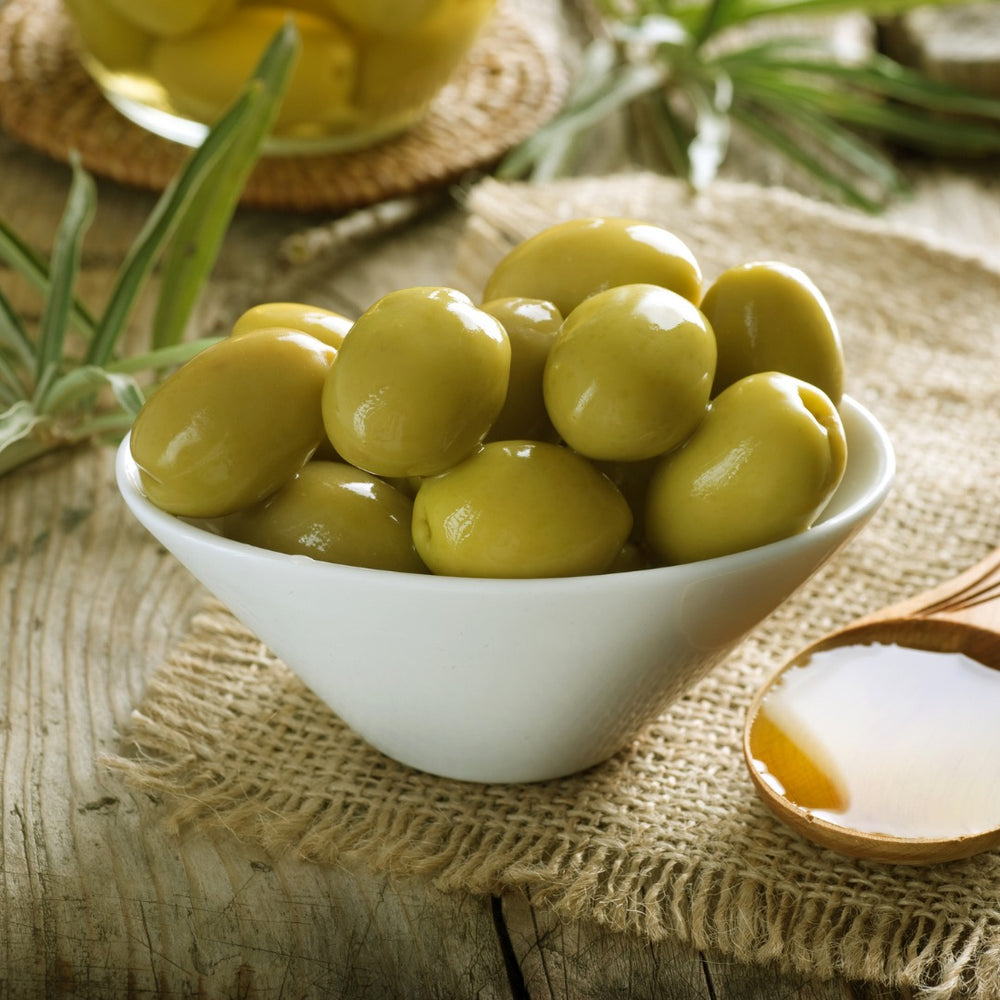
pixel 81 384
pixel 202 225
pixel 66 252
pixel 160 225
pixel 839 142
pixel 14 338
pixel 656 125
pixel 654 29
pixel 12 387
pixel 145 251
pixel 885 76
pixel 718 13
pixel 708 148
pixel 755 120
pixel 878 76
pixel 623 86
pixel 17 422
pixel 127 393
pixel 162 357
pixel 750 10
pixel 913 125
pixel 597 64
pixel 35 271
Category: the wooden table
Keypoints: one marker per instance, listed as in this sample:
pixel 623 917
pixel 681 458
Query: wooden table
pixel 99 899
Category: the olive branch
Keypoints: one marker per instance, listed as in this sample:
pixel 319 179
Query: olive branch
pixel 681 74
pixel 52 396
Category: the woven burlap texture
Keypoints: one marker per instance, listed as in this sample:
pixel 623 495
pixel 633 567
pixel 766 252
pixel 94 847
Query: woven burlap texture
pixel 667 838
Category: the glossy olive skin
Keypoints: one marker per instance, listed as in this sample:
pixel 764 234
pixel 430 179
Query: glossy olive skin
pixel 760 467
pixel 417 384
pixel 233 424
pixel 531 325
pixel 323 324
pixel 769 316
pixel 520 509
pixel 630 372
pixel 573 260
pixel 335 513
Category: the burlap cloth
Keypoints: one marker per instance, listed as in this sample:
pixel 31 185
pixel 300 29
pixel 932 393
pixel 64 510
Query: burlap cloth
pixel 668 838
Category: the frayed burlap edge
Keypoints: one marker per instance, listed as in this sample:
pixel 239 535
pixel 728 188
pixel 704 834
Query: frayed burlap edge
pixel 765 917
pixel 666 839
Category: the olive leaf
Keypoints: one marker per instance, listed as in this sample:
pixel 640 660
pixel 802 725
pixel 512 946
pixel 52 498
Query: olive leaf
pixel 51 398
pixel 680 73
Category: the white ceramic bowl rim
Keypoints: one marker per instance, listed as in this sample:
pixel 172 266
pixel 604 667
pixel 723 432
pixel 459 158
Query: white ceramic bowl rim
pixel 870 496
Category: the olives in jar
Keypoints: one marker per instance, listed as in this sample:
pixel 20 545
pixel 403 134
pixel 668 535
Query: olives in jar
pixel 335 513
pixel 531 326
pixel 382 16
pixel 365 70
pixel 233 424
pixel 573 260
pixel 323 324
pixel 224 56
pixel 761 466
pixel 412 52
pixel 417 384
pixel 170 18
pixel 770 316
pixel 630 372
pixel 109 38
pixel 520 509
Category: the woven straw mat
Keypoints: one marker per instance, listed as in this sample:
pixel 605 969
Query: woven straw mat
pixel 668 837
pixel 511 82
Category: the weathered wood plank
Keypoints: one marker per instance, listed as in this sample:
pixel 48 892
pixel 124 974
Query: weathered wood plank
pixel 99 896
pixel 580 961
pixel 562 960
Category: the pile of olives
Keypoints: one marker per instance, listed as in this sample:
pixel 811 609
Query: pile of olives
pixel 598 411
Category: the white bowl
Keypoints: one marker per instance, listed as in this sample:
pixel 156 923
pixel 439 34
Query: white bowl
pixel 512 680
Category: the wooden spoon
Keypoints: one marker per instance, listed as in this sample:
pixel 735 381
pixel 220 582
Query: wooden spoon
pixel 959 616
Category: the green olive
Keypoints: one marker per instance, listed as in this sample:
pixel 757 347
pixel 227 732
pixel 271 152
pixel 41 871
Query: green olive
pixel 570 261
pixel 171 18
pixel 233 424
pixel 204 71
pixel 335 513
pixel 330 327
pixel 417 384
pixel 761 466
pixel 402 64
pixel 383 17
pixel 769 316
pixel 630 372
pixel 531 325
pixel 520 509
pixel 108 36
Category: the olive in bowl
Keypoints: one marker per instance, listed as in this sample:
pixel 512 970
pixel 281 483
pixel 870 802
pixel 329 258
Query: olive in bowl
pixel 510 680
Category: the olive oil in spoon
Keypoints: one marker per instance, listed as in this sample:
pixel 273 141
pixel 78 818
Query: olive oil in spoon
pixel 883 740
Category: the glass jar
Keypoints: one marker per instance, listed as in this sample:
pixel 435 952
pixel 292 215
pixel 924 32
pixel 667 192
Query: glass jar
pixel 367 69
